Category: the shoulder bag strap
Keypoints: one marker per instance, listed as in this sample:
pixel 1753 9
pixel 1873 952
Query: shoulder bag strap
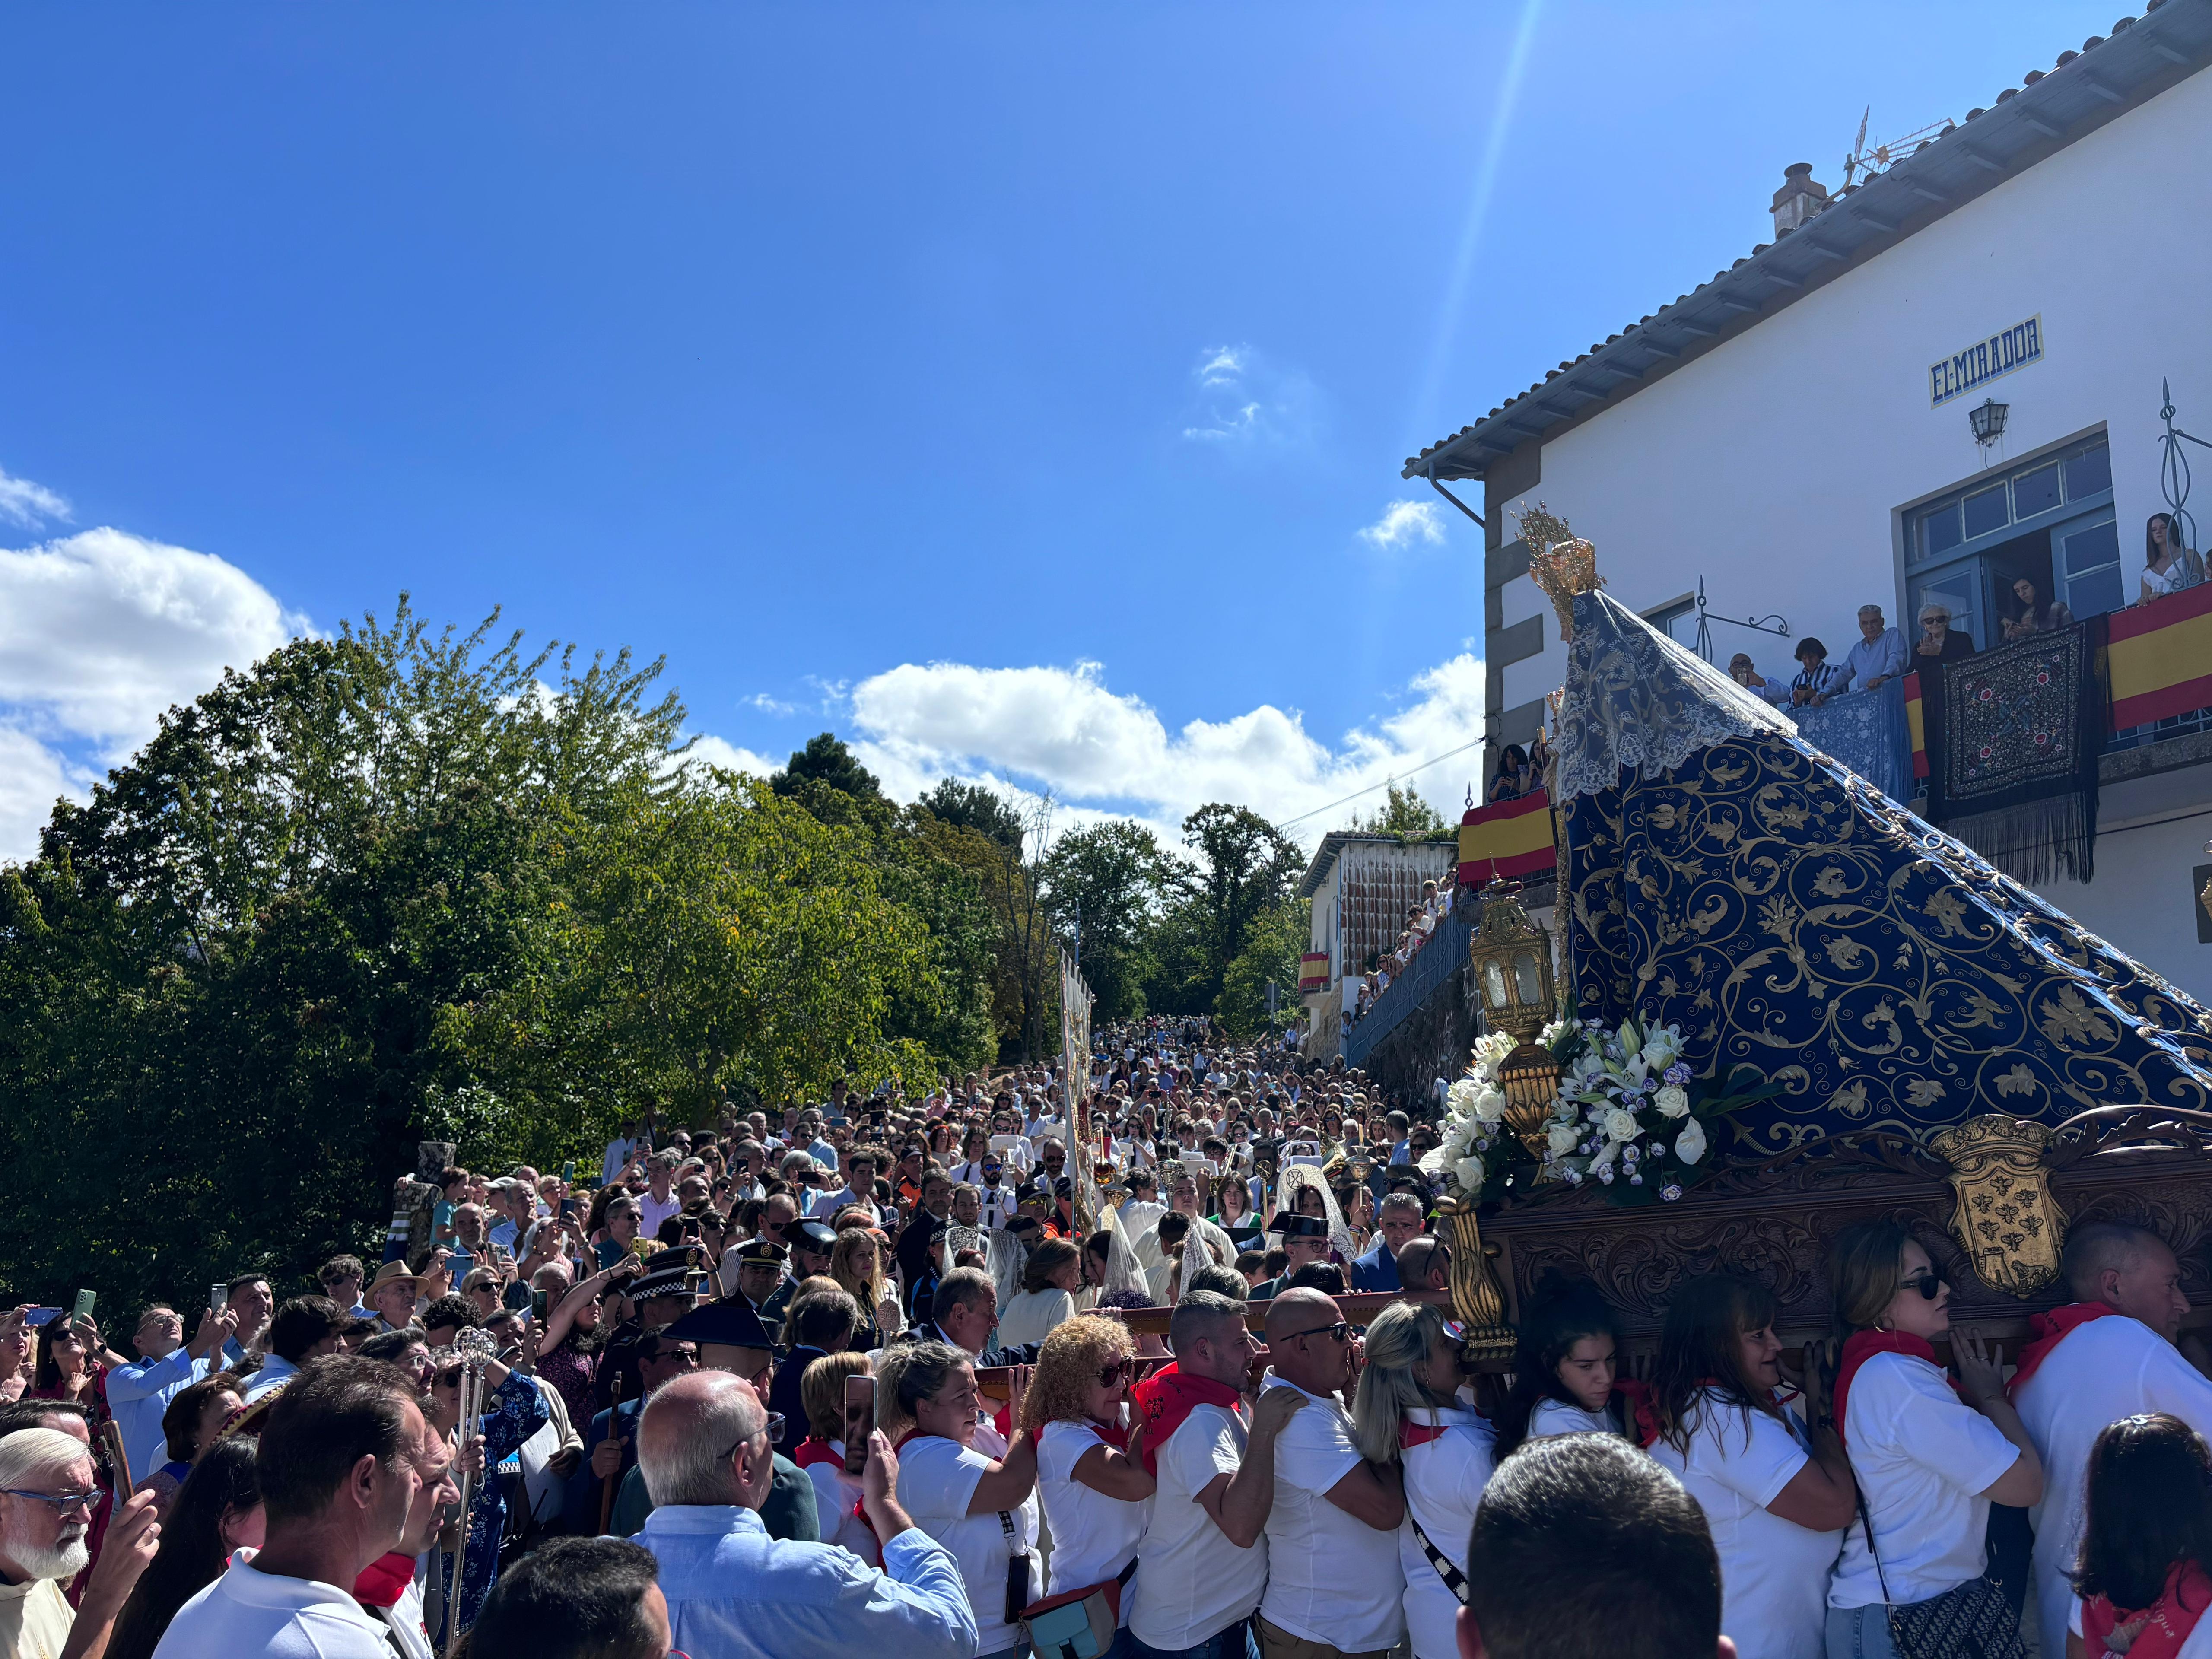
pixel 1858 1492
pixel 1455 1580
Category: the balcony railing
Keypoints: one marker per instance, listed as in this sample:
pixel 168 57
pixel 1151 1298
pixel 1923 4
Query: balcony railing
pixel 1438 960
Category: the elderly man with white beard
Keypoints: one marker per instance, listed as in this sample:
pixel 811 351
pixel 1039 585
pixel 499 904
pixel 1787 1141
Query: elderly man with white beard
pixel 47 1494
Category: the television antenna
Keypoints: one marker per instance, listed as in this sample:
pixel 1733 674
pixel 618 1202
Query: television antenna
pixel 1863 163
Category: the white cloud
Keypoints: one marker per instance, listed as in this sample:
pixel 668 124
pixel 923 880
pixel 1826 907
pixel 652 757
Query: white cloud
pixel 1242 397
pixel 1404 522
pixel 768 705
pixel 713 751
pixel 99 633
pixel 1064 731
pixel 27 503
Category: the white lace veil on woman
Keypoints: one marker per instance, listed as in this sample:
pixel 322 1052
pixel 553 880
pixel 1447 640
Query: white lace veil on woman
pixel 1295 1179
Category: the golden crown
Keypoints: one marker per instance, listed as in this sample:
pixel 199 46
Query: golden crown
pixel 1559 562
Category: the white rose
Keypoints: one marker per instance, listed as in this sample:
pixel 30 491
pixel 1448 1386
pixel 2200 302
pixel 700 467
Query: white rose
pixel 1620 1125
pixel 1469 1171
pixel 1671 1100
pixel 1564 1137
pixel 1460 1095
pixel 1689 1144
pixel 1432 1161
pixel 1490 1106
pixel 1458 1141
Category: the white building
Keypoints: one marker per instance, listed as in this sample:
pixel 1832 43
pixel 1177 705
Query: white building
pixel 1362 885
pixel 1795 434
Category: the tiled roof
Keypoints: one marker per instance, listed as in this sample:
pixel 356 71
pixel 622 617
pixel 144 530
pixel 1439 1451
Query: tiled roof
pixel 2111 73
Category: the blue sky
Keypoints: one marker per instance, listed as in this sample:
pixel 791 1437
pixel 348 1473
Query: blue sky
pixel 1006 387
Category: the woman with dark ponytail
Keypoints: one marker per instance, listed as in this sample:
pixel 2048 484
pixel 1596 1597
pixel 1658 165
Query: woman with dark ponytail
pixel 2144 1580
pixel 1775 1499
pixel 1564 1373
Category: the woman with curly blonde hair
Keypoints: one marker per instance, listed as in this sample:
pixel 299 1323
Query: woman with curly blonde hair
pixel 1096 1497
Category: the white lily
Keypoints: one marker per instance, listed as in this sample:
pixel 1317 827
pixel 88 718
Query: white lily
pixel 1689 1144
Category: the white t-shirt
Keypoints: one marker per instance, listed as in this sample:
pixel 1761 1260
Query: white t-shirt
pixel 1093 1536
pixel 936 1483
pixel 655 1211
pixel 1192 1583
pixel 1031 1316
pixel 2108 1368
pixel 1332 1579
pixel 835 1492
pixel 1553 1417
pixel 249 1611
pixel 1445 1478
pixel 1774 1573
pixel 1920 1454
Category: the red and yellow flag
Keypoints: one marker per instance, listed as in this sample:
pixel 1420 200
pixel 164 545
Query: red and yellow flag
pixel 1513 838
pixel 1313 972
pixel 1915 719
pixel 2160 657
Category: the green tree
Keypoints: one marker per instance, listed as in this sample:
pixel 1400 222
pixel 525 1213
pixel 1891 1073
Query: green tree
pixel 1246 867
pixel 1104 885
pixel 1277 940
pixel 973 807
pixel 1404 812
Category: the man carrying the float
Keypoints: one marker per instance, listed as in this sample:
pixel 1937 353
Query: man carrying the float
pixel 2107 1355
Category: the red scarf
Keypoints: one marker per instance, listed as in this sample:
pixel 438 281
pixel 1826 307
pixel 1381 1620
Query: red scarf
pixel 385 1580
pixel 1863 1345
pixel 1167 1397
pixel 815 1450
pixel 1643 1412
pixel 1411 1434
pixel 2048 1331
pixel 2156 1632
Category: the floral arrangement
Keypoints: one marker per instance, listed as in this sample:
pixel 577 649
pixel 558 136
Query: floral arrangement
pixel 1629 1115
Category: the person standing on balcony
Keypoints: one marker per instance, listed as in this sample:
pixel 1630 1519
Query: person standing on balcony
pixel 1879 656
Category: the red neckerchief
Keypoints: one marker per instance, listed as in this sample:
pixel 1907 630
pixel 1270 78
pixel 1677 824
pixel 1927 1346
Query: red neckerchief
pixel 1643 1412
pixel 2048 1331
pixel 815 1450
pixel 1863 1345
pixel 2156 1632
pixel 1116 1435
pixel 385 1580
pixel 1167 1397
pixel 1411 1434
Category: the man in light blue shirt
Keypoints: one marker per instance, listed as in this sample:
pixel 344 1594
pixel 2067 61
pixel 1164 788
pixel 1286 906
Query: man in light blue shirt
pixel 1879 656
pixel 735 1593
pixel 138 1394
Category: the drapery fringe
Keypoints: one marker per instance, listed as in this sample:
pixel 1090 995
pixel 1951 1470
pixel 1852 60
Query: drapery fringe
pixel 2041 841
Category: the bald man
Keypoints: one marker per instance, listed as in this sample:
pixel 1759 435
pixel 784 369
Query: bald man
pixel 2109 1355
pixel 735 1593
pixel 1335 1584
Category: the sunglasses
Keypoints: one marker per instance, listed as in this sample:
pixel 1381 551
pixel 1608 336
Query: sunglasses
pixel 1122 1371
pixel 1340 1332
pixel 1928 1284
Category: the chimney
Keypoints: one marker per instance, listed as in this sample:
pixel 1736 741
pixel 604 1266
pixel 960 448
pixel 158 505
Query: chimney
pixel 1799 198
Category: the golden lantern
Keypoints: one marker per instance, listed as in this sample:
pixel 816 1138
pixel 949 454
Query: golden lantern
pixel 1511 955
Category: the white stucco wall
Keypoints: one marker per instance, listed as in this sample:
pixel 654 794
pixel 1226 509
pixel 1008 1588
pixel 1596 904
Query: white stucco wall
pixel 1777 465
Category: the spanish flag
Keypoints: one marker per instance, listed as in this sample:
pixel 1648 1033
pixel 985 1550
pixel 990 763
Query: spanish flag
pixel 1513 838
pixel 1313 972
pixel 1916 717
pixel 2160 657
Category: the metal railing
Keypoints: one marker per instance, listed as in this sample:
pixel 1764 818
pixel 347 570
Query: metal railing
pixel 1439 959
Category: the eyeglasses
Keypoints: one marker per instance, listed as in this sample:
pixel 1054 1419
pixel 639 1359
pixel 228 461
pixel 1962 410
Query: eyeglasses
pixel 681 1356
pixel 1122 1371
pixel 63 1502
pixel 773 1429
pixel 1928 1284
pixel 1340 1332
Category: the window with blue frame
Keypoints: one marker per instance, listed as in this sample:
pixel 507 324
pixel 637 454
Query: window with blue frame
pixel 2048 521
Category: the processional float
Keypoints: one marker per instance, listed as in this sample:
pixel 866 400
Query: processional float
pixel 1785 1004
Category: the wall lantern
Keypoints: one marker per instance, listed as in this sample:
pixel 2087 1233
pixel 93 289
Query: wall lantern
pixel 1511 956
pixel 1989 421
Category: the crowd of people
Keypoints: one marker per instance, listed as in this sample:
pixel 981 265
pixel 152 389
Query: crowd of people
pixel 868 1371
pixel 1422 918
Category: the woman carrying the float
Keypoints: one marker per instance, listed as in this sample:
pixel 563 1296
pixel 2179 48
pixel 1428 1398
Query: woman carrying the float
pixel 1777 1499
pixel 1408 1410
pixel 1930 1456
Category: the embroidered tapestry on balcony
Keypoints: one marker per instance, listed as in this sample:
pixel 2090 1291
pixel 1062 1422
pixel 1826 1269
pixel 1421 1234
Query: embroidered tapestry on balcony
pixel 2016 775
pixel 1866 731
pixel 1727 877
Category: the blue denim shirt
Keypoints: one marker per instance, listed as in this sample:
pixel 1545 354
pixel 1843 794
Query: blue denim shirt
pixel 735 1593
pixel 138 1394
